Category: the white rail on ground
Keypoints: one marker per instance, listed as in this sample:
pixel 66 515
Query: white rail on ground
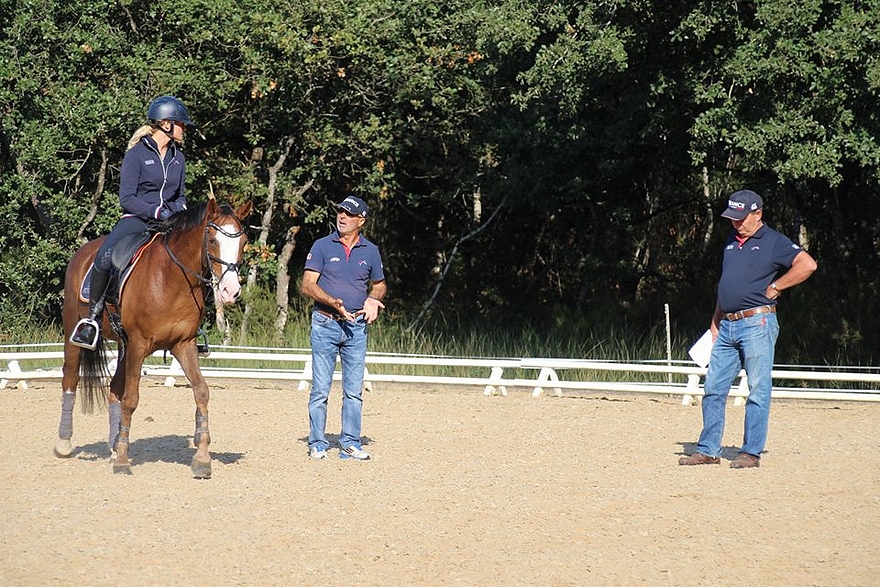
pixel 850 383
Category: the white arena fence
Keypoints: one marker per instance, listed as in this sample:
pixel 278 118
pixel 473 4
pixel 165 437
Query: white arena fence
pixel 492 375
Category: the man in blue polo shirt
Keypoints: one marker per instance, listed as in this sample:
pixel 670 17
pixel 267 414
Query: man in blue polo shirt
pixel 344 275
pixel 744 326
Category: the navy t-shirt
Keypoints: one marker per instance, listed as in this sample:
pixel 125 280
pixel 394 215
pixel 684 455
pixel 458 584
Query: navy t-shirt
pixel 748 269
pixel 345 275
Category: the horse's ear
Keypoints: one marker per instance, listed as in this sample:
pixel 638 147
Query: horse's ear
pixel 244 210
pixel 212 206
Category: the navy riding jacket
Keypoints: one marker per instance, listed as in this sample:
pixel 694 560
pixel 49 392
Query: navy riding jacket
pixel 147 183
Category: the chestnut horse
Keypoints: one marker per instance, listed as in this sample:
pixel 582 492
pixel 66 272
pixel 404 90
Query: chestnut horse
pixel 161 307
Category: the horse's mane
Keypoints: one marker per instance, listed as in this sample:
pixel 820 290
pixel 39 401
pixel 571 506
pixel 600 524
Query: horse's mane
pixel 193 217
pixel 186 219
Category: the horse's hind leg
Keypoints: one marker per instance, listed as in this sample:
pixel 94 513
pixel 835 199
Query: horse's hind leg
pixel 125 394
pixel 114 408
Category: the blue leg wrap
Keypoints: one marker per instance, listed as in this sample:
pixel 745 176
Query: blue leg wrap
pixel 65 428
pixel 201 427
pixel 115 409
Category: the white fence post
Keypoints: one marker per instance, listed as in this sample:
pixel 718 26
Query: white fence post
pixel 743 390
pixel 494 379
pixel 306 376
pixel 13 369
pixel 546 374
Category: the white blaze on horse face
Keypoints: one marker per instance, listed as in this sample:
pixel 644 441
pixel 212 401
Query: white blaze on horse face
pixel 229 287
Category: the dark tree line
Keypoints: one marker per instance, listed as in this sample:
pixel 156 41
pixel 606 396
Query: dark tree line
pixel 526 162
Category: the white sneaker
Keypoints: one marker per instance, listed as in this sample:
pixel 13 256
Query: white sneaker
pixel 354 452
pixel 316 452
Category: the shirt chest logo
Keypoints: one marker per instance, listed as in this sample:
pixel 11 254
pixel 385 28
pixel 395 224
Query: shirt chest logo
pixel 335 259
pixel 150 162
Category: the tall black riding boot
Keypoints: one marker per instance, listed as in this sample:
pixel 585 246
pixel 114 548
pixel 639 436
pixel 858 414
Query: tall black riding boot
pixel 85 333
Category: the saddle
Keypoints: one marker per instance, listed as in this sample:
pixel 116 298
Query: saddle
pixel 124 257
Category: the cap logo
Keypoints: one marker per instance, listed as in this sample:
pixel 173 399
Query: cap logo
pixel 739 206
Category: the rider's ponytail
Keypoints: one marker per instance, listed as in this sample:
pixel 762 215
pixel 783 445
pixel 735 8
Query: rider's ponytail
pixel 138 135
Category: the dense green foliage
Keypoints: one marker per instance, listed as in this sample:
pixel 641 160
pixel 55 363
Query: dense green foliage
pixel 533 166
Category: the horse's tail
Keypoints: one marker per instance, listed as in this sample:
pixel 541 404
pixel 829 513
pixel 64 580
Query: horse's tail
pixel 94 375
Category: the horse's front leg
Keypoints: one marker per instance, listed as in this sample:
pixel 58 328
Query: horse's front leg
pixel 125 393
pixel 187 355
pixel 69 381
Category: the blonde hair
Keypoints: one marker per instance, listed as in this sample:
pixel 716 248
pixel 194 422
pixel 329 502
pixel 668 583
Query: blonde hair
pixel 140 133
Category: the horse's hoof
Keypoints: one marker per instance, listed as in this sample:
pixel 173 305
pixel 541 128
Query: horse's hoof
pixel 122 469
pixel 63 448
pixel 201 470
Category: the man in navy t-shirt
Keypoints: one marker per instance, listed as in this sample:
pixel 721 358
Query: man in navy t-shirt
pixel 345 278
pixel 758 264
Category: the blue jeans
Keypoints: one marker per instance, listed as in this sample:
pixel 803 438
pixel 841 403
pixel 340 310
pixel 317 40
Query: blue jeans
pixel 347 340
pixel 748 343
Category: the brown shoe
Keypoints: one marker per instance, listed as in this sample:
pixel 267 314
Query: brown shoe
pixel 699 459
pixel 745 461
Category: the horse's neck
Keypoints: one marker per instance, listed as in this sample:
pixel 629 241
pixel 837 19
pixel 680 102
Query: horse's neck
pixel 188 244
pixel 188 249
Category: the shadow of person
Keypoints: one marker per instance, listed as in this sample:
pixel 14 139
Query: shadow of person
pixel 333 440
pixel 728 453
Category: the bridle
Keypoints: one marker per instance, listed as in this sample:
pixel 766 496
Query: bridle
pixel 208 277
pixel 227 267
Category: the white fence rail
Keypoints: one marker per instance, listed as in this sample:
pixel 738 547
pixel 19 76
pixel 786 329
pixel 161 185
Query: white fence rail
pixel 494 377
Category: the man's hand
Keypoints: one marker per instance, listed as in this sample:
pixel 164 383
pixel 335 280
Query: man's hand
pixel 371 309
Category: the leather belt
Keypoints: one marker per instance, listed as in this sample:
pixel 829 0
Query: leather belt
pixel 337 317
pixel 733 316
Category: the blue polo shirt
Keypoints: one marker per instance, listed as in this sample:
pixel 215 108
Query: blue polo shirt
pixel 748 268
pixel 345 274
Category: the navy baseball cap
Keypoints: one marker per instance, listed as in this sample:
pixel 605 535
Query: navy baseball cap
pixel 741 204
pixel 353 205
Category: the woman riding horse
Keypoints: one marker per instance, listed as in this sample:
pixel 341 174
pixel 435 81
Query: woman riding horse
pixel 151 187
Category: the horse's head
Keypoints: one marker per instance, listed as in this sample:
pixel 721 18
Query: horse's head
pixel 225 240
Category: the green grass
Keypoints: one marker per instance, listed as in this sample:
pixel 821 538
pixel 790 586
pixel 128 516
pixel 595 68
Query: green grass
pixel 607 339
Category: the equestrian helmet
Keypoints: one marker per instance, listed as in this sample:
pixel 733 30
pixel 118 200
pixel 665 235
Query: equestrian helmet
pixel 168 108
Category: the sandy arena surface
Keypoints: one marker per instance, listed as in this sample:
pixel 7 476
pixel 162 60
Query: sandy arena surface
pixel 463 489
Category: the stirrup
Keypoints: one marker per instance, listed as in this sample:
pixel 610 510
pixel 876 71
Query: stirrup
pixel 85 334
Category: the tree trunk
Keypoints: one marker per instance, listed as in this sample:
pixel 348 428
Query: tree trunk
pixel 282 291
pixel 96 197
pixel 282 280
pixel 265 225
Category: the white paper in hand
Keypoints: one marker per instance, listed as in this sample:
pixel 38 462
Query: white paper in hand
pixel 702 349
